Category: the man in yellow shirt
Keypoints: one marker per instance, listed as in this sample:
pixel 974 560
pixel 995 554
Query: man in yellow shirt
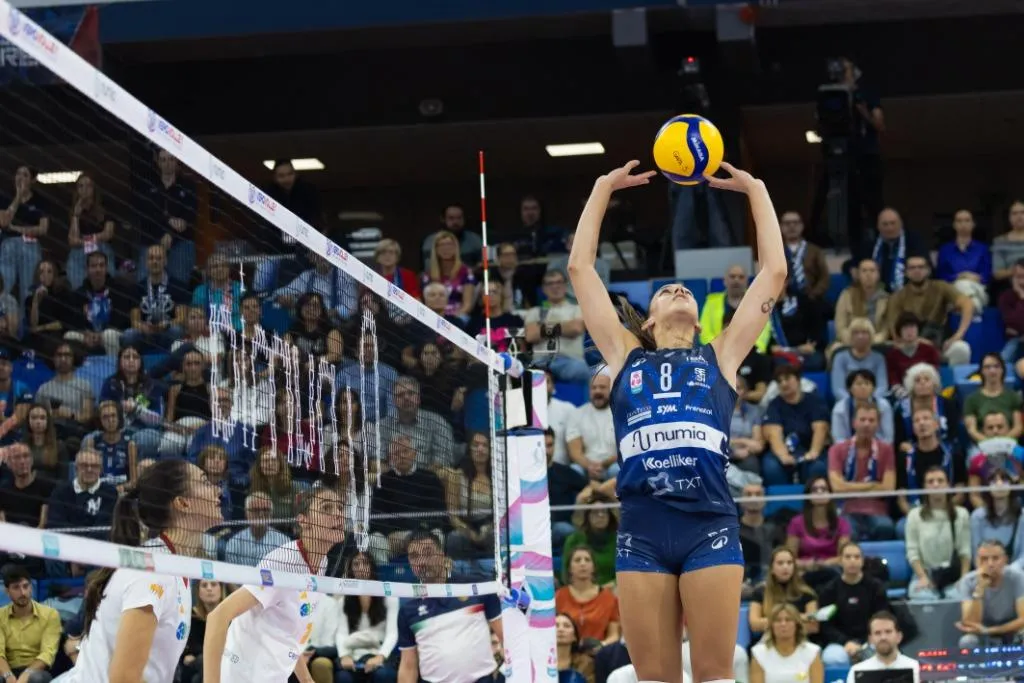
pixel 29 632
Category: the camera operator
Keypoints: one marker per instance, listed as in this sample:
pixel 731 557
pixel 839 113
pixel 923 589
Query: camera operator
pixel 861 128
pixel 556 332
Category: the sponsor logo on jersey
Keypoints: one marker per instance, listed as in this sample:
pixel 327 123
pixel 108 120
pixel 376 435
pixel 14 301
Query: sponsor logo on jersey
pixel 668 409
pixel 182 631
pixel 698 409
pixel 700 375
pixel 668 462
pixel 636 381
pixel 638 415
pixel 206 569
pixel 671 436
pixel 719 542
pixel 638 362
pixel 157 590
pixel 624 546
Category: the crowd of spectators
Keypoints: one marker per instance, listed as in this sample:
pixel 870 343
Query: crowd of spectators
pixel 107 364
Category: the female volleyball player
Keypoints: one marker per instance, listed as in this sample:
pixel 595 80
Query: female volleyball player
pixel 261 633
pixel 137 622
pixel 672 401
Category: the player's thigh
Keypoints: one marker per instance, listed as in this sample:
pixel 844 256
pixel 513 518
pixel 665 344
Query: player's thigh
pixel 711 599
pixel 651 624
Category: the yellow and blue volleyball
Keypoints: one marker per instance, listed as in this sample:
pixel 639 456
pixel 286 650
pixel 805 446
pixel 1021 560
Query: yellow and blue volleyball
pixel 687 148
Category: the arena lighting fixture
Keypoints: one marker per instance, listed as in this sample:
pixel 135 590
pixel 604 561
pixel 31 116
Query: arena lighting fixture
pixel 812 137
pixel 58 177
pixel 299 164
pixel 575 149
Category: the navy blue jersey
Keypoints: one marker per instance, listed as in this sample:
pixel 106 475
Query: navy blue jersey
pixel 114 457
pixel 672 411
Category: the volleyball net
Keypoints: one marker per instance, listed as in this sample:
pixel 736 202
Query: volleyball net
pixel 158 304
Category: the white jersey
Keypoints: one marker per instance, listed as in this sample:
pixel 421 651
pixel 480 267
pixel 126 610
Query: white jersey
pixel 270 637
pixel 171 601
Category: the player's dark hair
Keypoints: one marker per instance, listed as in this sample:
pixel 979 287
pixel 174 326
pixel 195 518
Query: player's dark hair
pixel 283 162
pixel 575 647
pixel 831 513
pixel 860 373
pixel 634 322
pixel 146 506
pixel 926 506
pixel 784 371
pixel 884 615
pixel 421 535
pixel 15 573
pixel 1014 508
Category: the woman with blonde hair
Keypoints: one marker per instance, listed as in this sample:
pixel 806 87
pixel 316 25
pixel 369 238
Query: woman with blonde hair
pixel 784 585
pixel 785 655
pixel 446 268
pixel 864 298
pixel 858 355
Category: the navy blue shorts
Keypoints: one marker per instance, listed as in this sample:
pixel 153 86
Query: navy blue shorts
pixel 654 537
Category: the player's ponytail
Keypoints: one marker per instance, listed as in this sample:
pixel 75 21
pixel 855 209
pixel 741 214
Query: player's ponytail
pixel 636 324
pixel 145 509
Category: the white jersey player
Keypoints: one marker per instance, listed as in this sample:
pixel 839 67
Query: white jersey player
pixel 137 622
pixel 262 632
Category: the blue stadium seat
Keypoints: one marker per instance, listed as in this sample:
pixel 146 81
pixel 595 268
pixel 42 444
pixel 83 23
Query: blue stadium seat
pixel 638 293
pixel 575 394
pixel 822 381
pixel 743 632
pixel 836 674
pixel 985 335
pixel 699 287
pixel 774 506
pixel 32 372
pixel 837 282
pixel 716 284
pixel 95 370
pixel 151 360
pixel 275 317
pixel 894 555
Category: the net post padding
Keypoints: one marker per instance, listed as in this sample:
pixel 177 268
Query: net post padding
pixel 529 625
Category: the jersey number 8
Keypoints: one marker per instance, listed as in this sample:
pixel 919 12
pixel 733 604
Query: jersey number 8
pixel 666 376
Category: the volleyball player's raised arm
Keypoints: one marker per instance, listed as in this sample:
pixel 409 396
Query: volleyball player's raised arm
pixel 217 623
pixel 613 340
pixel 735 342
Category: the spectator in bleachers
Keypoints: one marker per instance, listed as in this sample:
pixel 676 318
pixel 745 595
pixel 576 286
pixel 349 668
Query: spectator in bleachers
pixel 15 399
pixel 598 530
pixel 405 487
pixel 574 665
pixel 593 607
pixel 938 540
pixel 188 406
pixel 965 262
pixel 29 632
pixel 560 263
pixel 555 330
pixel 783 585
pixel 590 434
pixel 49 454
pixel 312 332
pixel 168 218
pixel 1000 518
pixel 86 500
pixel 856 597
pixel 785 655
pixel 10 312
pixel 997 451
pixel 387 255
pixel 48 308
pixel 271 476
pixel 932 301
pixel 355 629
pixel 295 434
pixel 859 355
pixel 798 330
pixel 338 291
pixel 446 267
pixel 24 500
pixel 432 370
pixel 1008 248
pixel 992 611
pixel 816 536
pixel 197 337
pixel 470 507
pixel 928 451
pixel 921 389
pixel 68 395
pixel 807 265
pixel 90 231
pixel 1011 310
pixel 213 461
pixel 158 315
pixel 22 223
pixel 101 310
pixel 864 298
pixel 993 396
pixel 861 390
pixel 861 464
pixel 371 368
pixel 119 456
pixel 796 429
pixel 885 638
pixel 209 594
pixel 351 480
pixel 453 218
pixel 564 485
pixel 252 314
pixel 250 545
pixel 348 411
pixel 559 414
pixel 219 289
pixel 893 248
pixel 235 434
pixel 430 433
pixel 506 325
pixel 746 441
pixel 758 537
pixel 719 307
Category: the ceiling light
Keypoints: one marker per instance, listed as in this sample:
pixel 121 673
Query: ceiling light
pixel 576 149
pixel 299 164
pixel 58 177
pixel 812 137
